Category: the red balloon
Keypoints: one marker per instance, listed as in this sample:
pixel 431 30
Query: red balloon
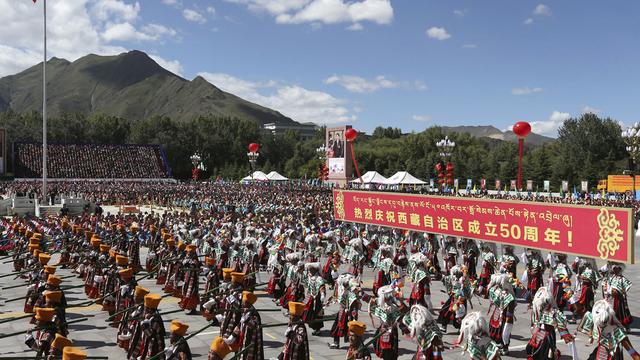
pixel 351 134
pixel 522 129
pixel 253 147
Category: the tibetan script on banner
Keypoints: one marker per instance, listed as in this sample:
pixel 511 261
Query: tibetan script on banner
pixel 598 232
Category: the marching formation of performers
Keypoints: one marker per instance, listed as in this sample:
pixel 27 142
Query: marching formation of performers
pixel 211 262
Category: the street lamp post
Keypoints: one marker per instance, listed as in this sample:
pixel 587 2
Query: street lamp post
pixel 445 147
pixel 631 137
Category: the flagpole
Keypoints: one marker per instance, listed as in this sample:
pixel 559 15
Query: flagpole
pixel 44 109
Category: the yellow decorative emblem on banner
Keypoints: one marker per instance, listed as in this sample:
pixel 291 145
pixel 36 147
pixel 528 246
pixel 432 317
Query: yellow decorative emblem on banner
pixel 339 205
pixel 610 234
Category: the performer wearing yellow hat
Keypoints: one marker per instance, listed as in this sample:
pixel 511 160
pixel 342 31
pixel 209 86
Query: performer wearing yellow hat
pixel 296 345
pixel 232 305
pixel 127 326
pixel 53 299
pixel 179 348
pixel 219 349
pixel 248 334
pixel 148 336
pixel 357 350
pixel 191 270
pixel 58 345
pixel 46 332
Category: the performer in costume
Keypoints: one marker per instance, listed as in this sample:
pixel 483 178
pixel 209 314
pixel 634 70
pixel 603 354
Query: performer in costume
pixel 489 263
pixel 474 338
pixel 357 349
pixel 247 335
pixel 426 332
pixel 179 348
pixel 602 326
pixel 546 319
pixel 421 280
pixel 296 345
pixel 316 293
pixel 616 288
pixel 347 297
pixel 44 336
pixel 501 310
pixel 388 309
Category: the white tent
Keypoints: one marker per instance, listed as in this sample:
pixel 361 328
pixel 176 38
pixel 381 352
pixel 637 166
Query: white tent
pixel 257 176
pixel 371 177
pixel 274 176
pixel 403 178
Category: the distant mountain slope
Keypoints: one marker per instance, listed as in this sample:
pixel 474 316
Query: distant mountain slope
pixel 494 133
pixel 130 85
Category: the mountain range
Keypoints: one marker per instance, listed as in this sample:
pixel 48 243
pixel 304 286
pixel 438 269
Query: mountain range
pixel 133 86
pixel 130 85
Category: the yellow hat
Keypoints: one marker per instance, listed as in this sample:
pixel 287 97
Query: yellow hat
pixel 122 260
pixel 219 347
pixel 178 327
pixel 44 258
pixel 141 292
pixel 73 353
pixel 45 314
pixel 296 308
pixel 104 248
pixel 96 243
pixel 249 297
pixel 48 269
pixel 53 297
pixel 60 342
pixel 134 228
pixel 126 274
pixel 53 280
pixel 34 247
pixel 357 327
pixel 28 233
pixel 112 253
pixel 181 245
pixel 151 301
pixel 226 273
pixel 191 248
pixel 166 236
pixel 36 252
pixel 37 236
pixel 34 241
pixel 237 277
pixel 170 242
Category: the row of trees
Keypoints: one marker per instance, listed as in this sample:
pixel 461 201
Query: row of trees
pixel 587 148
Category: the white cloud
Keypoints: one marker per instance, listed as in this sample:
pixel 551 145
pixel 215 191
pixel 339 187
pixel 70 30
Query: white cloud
pixel 300 104
pixel 75 27
pixel 590 110
pixel 460 13
pixel 193 16
pixel 175 3
pixel 323 11
pixel 438 33
pixel 357 84
pixel 211 10
pixel 469 46
pixel 355 27
pixel 542 9
pixel 529 21
pixel 550 127
pixel 421 118
pixel 172 65
pixel 526 90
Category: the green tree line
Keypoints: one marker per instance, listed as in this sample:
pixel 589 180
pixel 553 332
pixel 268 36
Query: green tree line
pixel 587 148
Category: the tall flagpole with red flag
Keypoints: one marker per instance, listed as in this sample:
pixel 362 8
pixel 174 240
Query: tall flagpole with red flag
pixel 44 106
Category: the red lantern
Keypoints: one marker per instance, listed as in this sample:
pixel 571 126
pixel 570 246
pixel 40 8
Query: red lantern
pixel 441 175
pixel 450 181
pixel 522 129
pixel 351 134
pixel 253 147
pixel 438 167
pixel 449 167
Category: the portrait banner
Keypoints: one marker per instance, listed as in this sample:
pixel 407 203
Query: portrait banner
pixel 597 232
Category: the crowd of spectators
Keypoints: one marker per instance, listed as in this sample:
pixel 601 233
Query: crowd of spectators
pixel 91 161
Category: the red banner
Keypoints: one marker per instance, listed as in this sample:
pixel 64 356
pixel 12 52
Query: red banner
pixel 597 232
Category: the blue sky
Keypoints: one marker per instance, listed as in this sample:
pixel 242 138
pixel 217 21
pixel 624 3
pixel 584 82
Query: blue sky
pixel 408 63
